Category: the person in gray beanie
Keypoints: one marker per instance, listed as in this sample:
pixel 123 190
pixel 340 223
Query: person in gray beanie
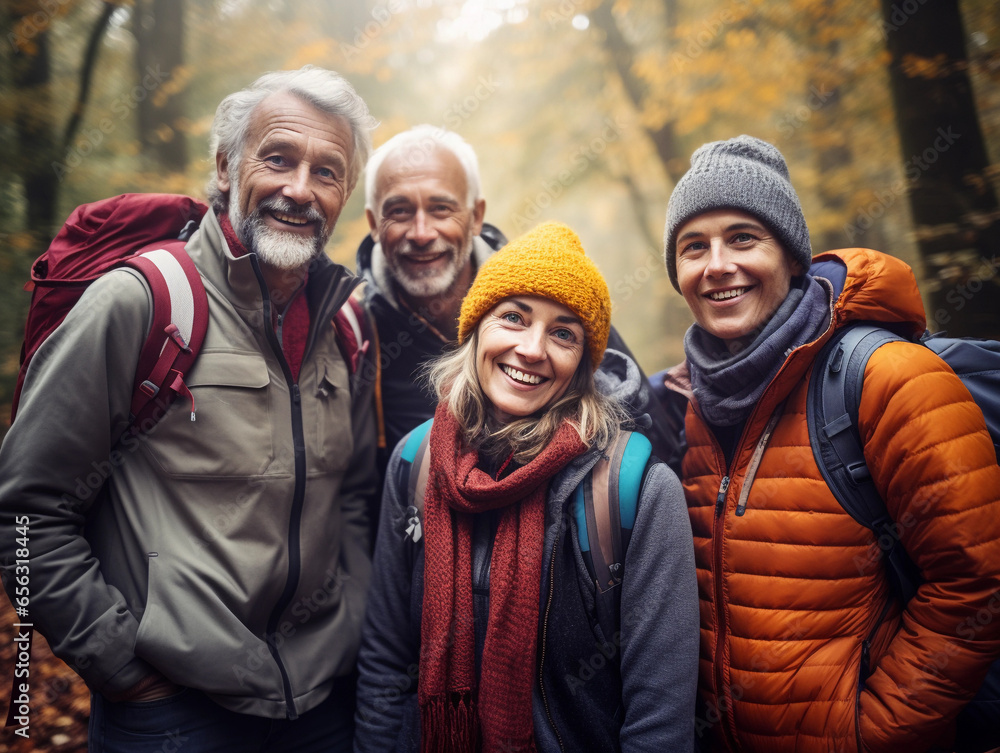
pixel 742 173
pixel 803 644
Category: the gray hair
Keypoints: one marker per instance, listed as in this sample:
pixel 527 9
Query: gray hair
pixel 418 143
pixel 326 90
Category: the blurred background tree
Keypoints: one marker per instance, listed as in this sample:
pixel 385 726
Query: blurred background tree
pixel 585 111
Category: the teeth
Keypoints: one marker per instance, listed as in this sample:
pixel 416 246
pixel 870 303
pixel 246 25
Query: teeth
pixel 521 376
pixel 289 218
pixel 727 294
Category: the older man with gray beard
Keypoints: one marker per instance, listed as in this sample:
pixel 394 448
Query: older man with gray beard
pixel 213 600
pixel 425 208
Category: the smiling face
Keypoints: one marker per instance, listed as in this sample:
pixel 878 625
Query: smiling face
pixel 421 219
pixel 291 182
pixel 733 273
pixel 528 350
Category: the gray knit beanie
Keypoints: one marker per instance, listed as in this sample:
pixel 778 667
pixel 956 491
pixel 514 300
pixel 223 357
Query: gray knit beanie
pixel 743 173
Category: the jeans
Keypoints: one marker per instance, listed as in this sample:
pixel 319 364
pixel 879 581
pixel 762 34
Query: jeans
pixel 190 722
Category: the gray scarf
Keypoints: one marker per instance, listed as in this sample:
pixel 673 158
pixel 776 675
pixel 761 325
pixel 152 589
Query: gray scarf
pixel 728 386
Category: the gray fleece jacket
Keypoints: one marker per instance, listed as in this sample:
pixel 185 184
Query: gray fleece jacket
pixel 639 696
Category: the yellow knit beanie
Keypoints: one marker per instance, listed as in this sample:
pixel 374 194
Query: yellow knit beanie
pixel 548 261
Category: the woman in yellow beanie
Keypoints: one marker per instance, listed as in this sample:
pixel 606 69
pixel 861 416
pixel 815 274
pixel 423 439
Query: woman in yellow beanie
pixel 494 624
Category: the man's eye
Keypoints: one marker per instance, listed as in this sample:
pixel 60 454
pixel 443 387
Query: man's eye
pixel 692 246
pixel 326 172
pixel 275 159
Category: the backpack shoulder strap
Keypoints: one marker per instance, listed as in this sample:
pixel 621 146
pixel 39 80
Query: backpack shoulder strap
pixel 353 336
pixel 417 462
pixel 832 407
pixel 180 320
pixel 605 506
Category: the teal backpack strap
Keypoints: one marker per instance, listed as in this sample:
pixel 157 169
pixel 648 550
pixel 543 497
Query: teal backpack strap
pixel 418 460
pixel 605 505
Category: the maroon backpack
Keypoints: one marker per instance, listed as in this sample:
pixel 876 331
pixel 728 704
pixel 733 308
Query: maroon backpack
pixel 129 231
pixel 146 232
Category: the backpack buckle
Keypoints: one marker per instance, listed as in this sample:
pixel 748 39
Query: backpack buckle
pixel 174 334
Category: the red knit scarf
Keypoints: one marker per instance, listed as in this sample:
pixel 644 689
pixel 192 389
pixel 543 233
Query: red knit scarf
pixel 295 328
pixel 455 718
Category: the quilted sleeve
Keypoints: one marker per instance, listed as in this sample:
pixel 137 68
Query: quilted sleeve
pixel 932 460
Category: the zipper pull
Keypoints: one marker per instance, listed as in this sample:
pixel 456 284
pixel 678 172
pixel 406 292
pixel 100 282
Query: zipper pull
pixel 295 393
pixel 720 501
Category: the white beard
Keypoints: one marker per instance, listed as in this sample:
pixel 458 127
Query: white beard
pixel 282 250
pixel 433 283
pixel 276 248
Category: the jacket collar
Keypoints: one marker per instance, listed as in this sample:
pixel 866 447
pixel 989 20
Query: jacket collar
pixel 237 277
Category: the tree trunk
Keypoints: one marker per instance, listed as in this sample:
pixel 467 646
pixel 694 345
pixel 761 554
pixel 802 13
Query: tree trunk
pixel 31 74
pixel 954 206
pixel 623 56
pixel 159 31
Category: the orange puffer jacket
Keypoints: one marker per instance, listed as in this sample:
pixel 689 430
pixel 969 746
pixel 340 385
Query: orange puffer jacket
pixel 793 593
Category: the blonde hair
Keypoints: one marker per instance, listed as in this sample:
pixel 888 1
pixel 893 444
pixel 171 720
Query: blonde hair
pixel 597 418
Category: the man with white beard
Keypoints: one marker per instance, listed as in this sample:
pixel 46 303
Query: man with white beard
pixel 211 591
pixel 425 209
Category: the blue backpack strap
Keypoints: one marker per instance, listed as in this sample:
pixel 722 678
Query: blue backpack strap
pixel 415 466
pixel 832 407
pixel 604 505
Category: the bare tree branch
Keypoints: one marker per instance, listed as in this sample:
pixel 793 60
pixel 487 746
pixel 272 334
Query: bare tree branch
pixel 87 73
pixel 623 56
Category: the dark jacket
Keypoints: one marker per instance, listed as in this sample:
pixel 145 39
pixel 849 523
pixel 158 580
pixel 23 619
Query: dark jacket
pixel 407 344
pixel 641 697
pixel 229 553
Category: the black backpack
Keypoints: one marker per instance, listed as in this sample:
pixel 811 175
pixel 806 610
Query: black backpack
pixel 832 413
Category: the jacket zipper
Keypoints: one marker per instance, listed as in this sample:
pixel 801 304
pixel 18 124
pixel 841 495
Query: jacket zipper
pixel 864 671
pixel 545 632
pixel 758 455
pixel 298 500
pixel 720 616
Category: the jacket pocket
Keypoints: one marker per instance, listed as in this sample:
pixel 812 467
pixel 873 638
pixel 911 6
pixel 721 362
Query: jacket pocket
pixel 231 433
pixel 330 416
pixel 194 639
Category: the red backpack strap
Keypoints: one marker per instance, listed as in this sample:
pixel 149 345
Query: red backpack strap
pixel 351 324
pixel 180 319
